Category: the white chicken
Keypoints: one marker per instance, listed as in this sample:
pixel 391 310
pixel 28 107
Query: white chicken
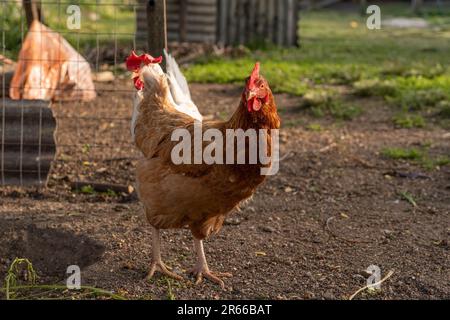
pixel 179 94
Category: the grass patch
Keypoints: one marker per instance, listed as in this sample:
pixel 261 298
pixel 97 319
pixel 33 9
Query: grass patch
pixel 344 111
pixel 324 102
pixel 408 197
pixel 444 109
pixel 170 294
pixel 407 67
pixel 408 121
pixel 295 122
pixel 15 268
pixel 419 156
pixel 433 163
pixel 14 290
pixel 104 23
pixel 374 87
pixel 314 127
pixel 413 100
pixel 442 161
pixel 402 154
pixel 411 93
pixel 337 109
pixel 89 190
pixel 333 52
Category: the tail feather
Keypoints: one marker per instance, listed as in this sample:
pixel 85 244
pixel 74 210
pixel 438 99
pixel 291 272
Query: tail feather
pixel 173 71
pixel 179 89
pixel 161 91
pixel 138 97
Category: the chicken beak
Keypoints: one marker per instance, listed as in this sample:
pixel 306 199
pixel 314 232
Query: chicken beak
pixel 250 95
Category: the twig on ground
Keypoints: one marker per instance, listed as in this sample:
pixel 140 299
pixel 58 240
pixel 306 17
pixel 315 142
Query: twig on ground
pixel 329 147
pixel 287 155
pixel 91 290
pixel 389 274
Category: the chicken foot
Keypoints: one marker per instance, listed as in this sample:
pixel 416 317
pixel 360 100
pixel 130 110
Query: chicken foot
pixel 157 265
pixel 201 269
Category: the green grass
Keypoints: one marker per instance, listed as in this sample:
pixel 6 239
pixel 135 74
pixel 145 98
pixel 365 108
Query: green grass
pixel 100 23
pixel 402 154
pixel 407 67
pixel 103 23
pixel 409 121
pixel 409 198
pixel 444 109
pixel 322 102
pixel 315 127
pixel 337 109
pixel 87 190
pixel 14 290
pixel 420 156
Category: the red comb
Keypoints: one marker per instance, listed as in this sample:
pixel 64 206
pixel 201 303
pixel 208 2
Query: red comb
pixel 254 76
pixel 134 63
pixel 148 59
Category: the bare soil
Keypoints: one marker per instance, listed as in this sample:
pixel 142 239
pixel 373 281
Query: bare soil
pixel 310 232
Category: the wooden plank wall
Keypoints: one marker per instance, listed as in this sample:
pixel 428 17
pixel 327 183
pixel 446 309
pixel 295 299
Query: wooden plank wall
pixel 227 22
pixel 141 35
pixel 187 21
pixel 198 16
pixel 245 21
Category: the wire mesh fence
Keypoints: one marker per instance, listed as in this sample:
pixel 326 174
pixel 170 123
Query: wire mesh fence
pixel 92 137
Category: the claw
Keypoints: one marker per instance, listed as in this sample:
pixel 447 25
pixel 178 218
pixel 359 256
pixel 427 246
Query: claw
pixel 162 268
pixel 213 277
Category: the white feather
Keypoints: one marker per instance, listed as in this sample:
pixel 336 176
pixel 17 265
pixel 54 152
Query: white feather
pixel 138 96
pixel 179 95
pixel 174 70
pixel 179 89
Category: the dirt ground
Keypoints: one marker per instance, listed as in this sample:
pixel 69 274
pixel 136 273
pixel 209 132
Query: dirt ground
pixel 310 232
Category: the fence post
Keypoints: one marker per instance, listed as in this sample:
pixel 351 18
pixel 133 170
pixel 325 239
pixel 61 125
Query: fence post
pixel 416 5
pixel 183 20
pixel 363 6
pixel 157 28
pixel 33 10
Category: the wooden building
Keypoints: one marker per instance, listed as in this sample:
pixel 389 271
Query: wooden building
pixel 227 22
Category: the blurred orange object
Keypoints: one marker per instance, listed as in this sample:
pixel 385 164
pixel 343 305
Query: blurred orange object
pixel 49 68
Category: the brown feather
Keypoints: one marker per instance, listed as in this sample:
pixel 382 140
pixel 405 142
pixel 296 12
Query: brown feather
pixel 194 196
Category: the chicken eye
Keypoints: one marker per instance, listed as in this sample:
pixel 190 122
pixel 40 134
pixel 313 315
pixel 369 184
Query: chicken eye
pixel 261 86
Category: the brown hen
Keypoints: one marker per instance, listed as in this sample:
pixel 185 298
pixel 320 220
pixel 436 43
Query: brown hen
pixel 196 196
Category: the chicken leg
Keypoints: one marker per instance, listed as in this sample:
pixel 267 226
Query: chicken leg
pixel 157 264
pixel 201 268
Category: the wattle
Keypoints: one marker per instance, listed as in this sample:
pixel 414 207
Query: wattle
pixel 254 104
pixel 138 83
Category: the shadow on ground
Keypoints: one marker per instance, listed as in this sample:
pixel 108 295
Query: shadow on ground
pixel 50 250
